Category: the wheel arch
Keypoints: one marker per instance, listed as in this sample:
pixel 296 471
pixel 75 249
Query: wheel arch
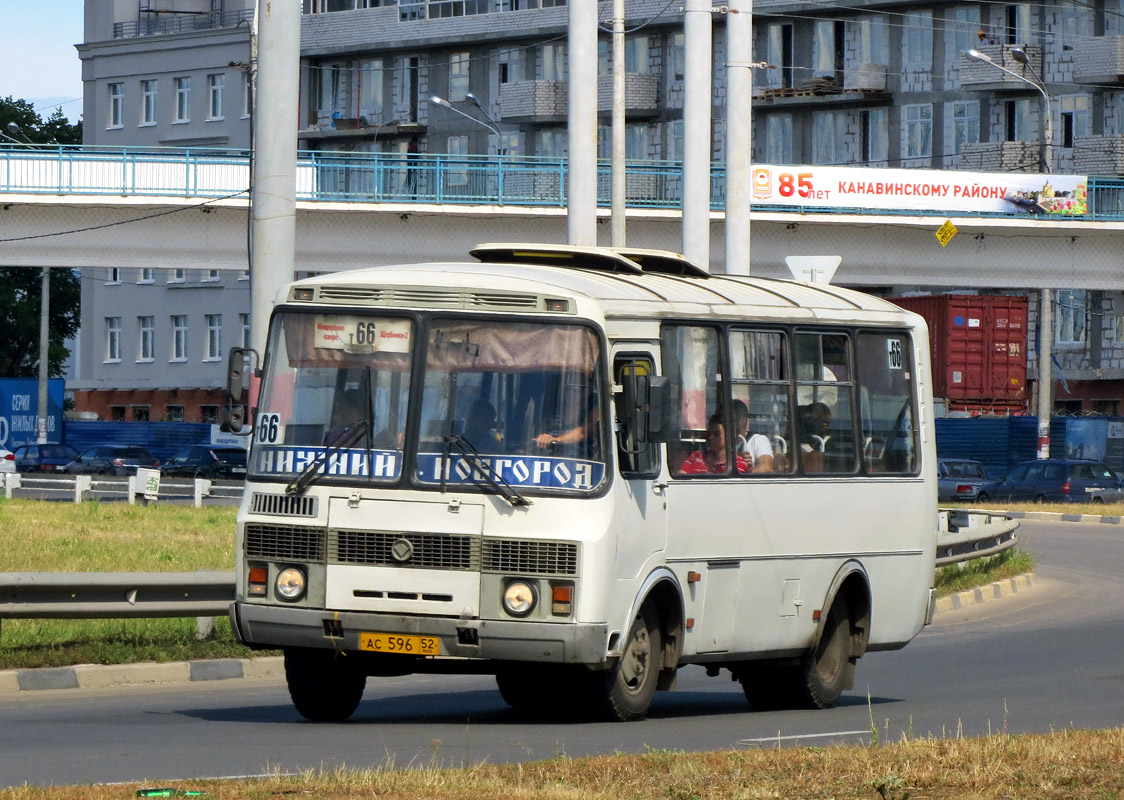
pixel 662 589
pixel 851 584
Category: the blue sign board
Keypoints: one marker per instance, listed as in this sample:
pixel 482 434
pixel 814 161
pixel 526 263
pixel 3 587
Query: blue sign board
pixel 19 411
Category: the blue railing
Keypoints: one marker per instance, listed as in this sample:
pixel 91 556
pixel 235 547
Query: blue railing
pixel 395 178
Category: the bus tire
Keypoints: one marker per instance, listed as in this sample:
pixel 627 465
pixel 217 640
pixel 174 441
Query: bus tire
pixel 540 690
pixel 827 671
pixel 767 687
pixel 325 685
pixel 625 692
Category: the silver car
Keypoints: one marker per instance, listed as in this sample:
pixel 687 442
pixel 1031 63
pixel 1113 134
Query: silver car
pixel 959 480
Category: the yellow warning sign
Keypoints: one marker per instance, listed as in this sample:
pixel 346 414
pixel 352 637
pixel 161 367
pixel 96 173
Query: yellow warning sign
pixel 945 232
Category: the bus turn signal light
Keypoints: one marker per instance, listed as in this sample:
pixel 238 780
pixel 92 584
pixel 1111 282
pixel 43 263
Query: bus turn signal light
pixel 561 600
pixel 259 577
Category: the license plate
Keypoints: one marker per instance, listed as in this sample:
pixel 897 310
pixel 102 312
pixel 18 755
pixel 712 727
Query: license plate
pixel 400 643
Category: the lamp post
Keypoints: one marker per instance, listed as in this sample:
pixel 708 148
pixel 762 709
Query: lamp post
pixel 1045 399
pixel 489 124
pixel 382 125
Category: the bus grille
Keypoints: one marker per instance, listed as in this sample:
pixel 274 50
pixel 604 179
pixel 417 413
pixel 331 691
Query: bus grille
pixel 522 557
pixel 284 542
pixel 426 551
pixel 283 505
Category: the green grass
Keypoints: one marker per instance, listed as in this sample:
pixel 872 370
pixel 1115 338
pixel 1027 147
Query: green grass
pixel 37 536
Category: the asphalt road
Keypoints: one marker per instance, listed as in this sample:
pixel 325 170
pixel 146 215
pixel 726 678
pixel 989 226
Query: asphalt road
pixel 1041 660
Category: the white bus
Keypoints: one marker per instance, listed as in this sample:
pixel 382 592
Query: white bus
pixel 582 469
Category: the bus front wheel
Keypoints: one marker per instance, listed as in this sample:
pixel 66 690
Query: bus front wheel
pixel 625 692
pixel 325 685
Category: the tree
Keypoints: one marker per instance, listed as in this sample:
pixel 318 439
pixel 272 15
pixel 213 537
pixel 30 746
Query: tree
pixel 55 129
pixel 21 287
pixel 20 292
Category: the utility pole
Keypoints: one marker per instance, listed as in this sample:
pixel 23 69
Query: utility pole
pixel 697 112
pixel 44 354
pixel 617 226
pixel 739 149
pixel 581 190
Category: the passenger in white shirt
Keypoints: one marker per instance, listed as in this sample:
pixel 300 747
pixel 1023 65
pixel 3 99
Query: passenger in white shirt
pixel 755 448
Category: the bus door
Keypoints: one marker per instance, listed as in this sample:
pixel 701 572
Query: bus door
pixel 641 509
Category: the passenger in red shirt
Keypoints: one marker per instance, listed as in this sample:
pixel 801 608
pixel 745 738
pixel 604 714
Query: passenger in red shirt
pixel 713 459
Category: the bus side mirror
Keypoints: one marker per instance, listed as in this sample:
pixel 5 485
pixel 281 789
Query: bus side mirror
pixel 659 408
pixel 645 403
pixel 234 411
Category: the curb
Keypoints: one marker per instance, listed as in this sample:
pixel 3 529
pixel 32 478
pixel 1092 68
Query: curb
pixel 980 594
pixel 100 676
pixel 1058 516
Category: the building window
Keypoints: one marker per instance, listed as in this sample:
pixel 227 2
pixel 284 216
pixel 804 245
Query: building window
pixel 1070 317
pixel 145 275
pixel 116 105
pixel 510 66
pixel 140 413
pixel 1074 117
pixel 244 326
pixel 965 124
pixel 874 47
pixel 675 139
pixel 247 95
pixel 117 413
pixel 214 337
pixel 780 54
pixel 778 139
pixel 456 146
pixel 244 275
pixel 917 40
pixel 636 140
pixel 965 31
pixel 209 276
pixel 551 142
pixel 112 339
pixel 146 350
pixel 678 56
pixel 215 85
pixel 114 275
pixel 918 132
pixel 173 413
pixel 370 88
pixel 209 414
pixel 458 76
pixel 823 48
pixel 183 99
pixel 828 130
pixel 636 54
pixel 1017 114
pixel 179 337
pixel 1017 29
pixel 148 102
pixel 177 276
pixel 876 137
pixel 553 61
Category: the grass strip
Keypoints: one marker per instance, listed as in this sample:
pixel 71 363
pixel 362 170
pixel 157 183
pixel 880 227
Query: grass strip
pixel 1067 765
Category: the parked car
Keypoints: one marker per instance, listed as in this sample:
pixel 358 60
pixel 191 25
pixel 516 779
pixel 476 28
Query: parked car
pixel 44 457
pixel 7 461
pixel 204 461
pixel 1108 495
pixel 959 479
pixel 111 460
pixel 1053 480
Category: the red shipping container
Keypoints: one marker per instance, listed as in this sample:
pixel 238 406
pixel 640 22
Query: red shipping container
pixel 977 344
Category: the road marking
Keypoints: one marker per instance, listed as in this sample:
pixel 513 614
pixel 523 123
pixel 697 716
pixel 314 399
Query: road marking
pixel 800 736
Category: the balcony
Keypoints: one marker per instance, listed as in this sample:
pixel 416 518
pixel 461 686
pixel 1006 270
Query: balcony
pixel 641 93
pixel 1001 157
pixel 342 130
pixel 153 25
pixel 981 76
pixel 1099 60
pixel 1098 155
pixel 534 100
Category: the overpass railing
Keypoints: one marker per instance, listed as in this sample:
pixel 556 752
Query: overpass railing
pixel 397 178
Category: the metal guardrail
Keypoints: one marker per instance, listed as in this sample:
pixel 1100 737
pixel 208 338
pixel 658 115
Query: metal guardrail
pixel 82 487
pixel 964 535
pixel 431 178
pixel 114 595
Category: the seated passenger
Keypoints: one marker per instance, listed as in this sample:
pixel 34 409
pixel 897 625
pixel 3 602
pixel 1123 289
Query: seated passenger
pixel 755 447
pixel 814 421
pixel 713 458
pixel 480 426
pixel 585 430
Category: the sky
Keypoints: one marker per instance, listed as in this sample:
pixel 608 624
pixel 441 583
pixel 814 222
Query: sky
pixel 38 61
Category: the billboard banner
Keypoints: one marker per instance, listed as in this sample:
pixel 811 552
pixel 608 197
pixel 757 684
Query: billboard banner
pixel 19 411
pixel 948 192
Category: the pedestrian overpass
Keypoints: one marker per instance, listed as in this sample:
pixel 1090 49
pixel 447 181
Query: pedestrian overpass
pixel 99 207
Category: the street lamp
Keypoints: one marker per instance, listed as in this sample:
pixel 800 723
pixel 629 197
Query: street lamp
pixel 382 125
pixel 1045 296
pixel 490 125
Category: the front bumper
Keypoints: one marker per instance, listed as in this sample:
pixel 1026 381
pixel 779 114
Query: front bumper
pixel 500 640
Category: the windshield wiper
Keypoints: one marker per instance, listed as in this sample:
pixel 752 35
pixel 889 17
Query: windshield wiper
pixel 492 477
pixel 347 437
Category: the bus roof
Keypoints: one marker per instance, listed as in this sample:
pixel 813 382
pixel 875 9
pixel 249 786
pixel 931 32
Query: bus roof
pixel 619 291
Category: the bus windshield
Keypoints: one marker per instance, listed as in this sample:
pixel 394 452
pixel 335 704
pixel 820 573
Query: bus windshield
pixel 525 396
pixel 513 403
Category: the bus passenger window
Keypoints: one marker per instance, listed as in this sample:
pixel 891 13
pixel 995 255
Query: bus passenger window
pixel 886 402
pixel 759 383
pixel 825 396
pixel 690 357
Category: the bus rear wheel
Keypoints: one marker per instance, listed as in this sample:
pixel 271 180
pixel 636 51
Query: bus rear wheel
pixel 325 685
pixel 828 670
pixel 625 692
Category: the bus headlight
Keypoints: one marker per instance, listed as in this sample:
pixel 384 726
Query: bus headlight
pixel 290 584
pixel 519 598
